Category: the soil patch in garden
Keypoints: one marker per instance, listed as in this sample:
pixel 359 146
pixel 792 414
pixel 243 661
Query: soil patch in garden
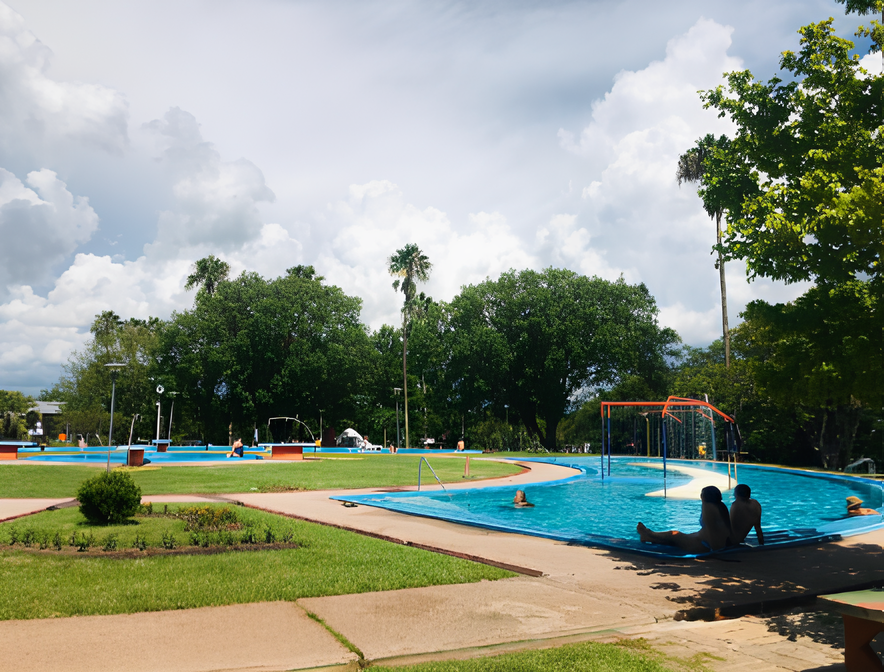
pixel 150 551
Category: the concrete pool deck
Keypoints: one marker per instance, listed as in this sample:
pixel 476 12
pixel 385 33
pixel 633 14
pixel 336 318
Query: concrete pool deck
pixel 565 594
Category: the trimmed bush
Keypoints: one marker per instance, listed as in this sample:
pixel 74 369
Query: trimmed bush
pixel 109 498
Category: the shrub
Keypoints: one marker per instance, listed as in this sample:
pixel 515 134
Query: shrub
pixel 111 542
pixel 140 542
pixel 208 519
pixel 109 498
pixel 82 541
pixel 168 540
pixel 56 541
pixel 14 537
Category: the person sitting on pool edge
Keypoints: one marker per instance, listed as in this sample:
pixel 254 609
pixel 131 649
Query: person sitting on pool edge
pixel 714 533
pixel 745 514
pixel 520 500
pixel 855 508
pixel 236 449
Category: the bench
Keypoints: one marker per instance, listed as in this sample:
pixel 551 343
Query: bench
pixel 863 614
pixel 286 451
pixel 135 457
pixel 162 445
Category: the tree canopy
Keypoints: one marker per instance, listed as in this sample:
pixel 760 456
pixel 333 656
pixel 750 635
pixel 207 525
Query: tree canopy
pixel 536 341
pixel 810 208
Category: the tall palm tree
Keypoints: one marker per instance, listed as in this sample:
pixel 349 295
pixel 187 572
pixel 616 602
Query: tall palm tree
pixel 410 266
pixel 692 167
pixel 208 272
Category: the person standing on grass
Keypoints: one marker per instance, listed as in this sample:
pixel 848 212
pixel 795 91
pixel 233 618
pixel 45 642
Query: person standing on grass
pixel 745 514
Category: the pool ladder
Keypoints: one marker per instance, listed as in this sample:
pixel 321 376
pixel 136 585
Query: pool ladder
pixel 421 464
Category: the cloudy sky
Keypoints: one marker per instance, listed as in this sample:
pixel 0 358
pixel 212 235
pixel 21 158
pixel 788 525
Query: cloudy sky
pixel 137 137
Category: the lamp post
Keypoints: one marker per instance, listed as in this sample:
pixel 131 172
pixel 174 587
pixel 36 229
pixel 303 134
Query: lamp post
pixel 171 411
pixel 114 370
pixel 160 390
pixel 396 391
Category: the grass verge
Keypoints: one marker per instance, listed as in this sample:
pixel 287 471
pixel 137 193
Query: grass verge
pixel 328 561
pixel 626 656
pixel 328 473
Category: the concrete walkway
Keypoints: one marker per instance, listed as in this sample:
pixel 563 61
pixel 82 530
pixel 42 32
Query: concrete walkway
pixel 564 594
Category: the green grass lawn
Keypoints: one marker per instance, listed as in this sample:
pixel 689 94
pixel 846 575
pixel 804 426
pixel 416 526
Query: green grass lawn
pixel 329 561
pixel 362 471
pixel 628 656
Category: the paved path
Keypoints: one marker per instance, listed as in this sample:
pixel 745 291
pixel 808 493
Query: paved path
pixel 565 593
pixel 15 508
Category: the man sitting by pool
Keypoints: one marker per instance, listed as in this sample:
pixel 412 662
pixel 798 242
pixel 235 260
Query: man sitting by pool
pixel 715 528
pixel 237 449
pixel 745 514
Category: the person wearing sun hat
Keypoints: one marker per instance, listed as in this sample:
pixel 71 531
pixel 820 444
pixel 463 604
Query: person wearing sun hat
pixel 854 508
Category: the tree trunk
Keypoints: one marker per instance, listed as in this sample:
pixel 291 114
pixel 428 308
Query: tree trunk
pixel 724 328
pixel 405 378
pixel 549 441
pixel 837 434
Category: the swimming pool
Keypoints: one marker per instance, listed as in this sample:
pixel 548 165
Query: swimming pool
pixel 150 456
pixel 189 454
pixel 597 510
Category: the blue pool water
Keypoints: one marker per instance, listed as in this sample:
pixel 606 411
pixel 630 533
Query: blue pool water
pixel 119 457
pixel 798 507
pixel 189 454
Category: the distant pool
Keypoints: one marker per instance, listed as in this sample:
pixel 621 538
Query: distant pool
pixel 193 454
pixel 98 456
pixel 589 509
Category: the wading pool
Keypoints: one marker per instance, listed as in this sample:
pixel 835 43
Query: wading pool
pixel 600 510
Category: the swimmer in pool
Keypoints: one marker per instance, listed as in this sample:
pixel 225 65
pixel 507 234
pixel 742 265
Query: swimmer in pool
pixel 855 508
pixel 520 500
pixel 236 449
pixel 714 533
pixel 745 514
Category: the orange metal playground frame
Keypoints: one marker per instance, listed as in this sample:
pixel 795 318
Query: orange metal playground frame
pixel 670 407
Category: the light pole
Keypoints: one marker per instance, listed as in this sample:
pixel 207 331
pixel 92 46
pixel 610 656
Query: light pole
pixel 396 391
pixel 160 390
pixel 114 370
pixel 171 411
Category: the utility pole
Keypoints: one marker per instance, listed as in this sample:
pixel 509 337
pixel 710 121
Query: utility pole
pixel 396 391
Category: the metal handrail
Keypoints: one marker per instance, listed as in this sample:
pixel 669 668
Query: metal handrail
pixel 421 464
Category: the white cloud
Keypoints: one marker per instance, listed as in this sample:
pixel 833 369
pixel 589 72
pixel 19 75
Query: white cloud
pixel 634 216
pixel 39 226
pixel 36 109
pixel 215 201
pixel 376 220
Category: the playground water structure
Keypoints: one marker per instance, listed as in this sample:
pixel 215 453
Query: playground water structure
pixel 602 509
pixel 179 455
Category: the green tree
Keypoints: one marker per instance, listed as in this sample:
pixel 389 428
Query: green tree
pixel 14 407
pixel 291 346
pixel 811 144
pixel 538 341
pixel 207 274
pixel 85 383
pixel 410 266
pixel 723 185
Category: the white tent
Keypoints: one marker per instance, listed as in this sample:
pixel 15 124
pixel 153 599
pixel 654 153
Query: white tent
pixel 350 438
